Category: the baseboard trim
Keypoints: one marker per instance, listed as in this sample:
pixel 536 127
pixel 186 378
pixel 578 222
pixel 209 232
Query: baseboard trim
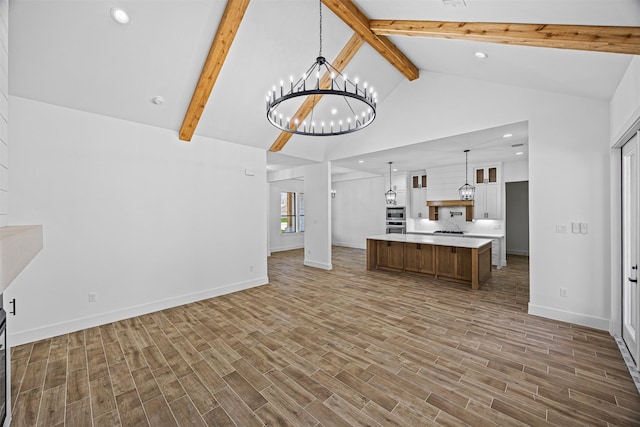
pixel 350 245
pixel 315 264
pixel 569 317
pixel 517 252
pixel 286 248
pixel 36 334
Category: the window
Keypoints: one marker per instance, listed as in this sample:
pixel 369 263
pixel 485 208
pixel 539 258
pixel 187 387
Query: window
pixel 291 212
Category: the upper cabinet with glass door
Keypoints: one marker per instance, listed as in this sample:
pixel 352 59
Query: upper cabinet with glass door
pixel 487 201
pixel 418 194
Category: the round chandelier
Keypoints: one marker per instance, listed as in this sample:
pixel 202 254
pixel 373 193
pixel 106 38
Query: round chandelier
pixel 347 106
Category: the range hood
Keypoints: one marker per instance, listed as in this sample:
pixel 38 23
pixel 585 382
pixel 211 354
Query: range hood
pixel 450 203
pixel 435 204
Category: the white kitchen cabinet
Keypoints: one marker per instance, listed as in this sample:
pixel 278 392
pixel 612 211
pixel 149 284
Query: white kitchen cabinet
pixel 487 201
pixel 418 193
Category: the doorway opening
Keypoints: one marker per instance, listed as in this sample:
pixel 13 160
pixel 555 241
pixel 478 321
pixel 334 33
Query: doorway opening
pixel 517 218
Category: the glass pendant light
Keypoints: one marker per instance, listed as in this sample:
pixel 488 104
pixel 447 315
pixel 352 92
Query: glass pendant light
pixel 390 195
pixel 466 191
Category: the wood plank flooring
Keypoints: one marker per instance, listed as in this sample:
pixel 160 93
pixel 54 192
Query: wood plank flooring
pixel 332 348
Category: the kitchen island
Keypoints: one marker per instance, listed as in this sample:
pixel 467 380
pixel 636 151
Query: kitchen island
pixel 462 260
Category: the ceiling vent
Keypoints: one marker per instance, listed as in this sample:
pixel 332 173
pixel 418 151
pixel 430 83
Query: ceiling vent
pixel 454 3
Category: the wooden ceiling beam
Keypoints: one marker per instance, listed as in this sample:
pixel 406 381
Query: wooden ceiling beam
pixel 226 32
pixel 578 37
pixel 360 23
pixel 341 61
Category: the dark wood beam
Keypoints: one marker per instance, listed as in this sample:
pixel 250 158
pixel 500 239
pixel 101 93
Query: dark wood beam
pixel 579 37
pixel 227 29
pixel 359 22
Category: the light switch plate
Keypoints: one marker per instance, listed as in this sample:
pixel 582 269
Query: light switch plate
pixel 575 228
pixel 584 228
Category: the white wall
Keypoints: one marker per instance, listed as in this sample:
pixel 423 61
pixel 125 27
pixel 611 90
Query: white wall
pixel 317 232
pixel 4 110
pixel 358 211
pixel 625 121
pixel 625 102
pixel 568 144
pixel 515 171
pixel 131 213
pixel 282 241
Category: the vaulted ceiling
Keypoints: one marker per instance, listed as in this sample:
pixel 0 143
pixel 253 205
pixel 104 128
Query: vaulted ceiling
pixel 74 55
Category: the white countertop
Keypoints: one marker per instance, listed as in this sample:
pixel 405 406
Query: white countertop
pixel 433 240
pixel 466 234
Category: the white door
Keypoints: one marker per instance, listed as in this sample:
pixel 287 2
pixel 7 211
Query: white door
pixel 630 241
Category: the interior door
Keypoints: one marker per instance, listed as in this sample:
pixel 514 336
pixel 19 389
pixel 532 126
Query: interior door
pixel 630 250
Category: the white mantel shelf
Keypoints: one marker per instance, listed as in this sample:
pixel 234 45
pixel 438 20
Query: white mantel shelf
pixel 18 246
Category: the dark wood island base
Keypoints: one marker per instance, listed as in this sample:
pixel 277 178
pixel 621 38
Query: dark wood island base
pixel 462 260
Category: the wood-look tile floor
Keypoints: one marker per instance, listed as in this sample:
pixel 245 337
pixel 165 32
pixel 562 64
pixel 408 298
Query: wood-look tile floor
pixel 338 348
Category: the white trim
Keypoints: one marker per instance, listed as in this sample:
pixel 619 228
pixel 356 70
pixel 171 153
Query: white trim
pixel 315 264
pixel 516 252
pixel 615 228
pixel 569 317
pixel 126 313
pixel 632 126
pixel 287 248
pixel 350 245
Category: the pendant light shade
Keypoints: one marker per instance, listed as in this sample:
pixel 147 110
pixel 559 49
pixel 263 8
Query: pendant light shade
pixel 466 191
pixel 390 195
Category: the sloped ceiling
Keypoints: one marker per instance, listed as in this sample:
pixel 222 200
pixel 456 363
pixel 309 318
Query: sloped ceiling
pixel 72 54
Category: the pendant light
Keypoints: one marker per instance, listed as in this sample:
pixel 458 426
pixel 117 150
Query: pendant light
pixel 390 195
pixel 466 191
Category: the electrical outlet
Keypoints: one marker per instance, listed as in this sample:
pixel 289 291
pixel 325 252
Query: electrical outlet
pixel 563 292
pixel 92 297
pixel 496 226
pixel 575 228
pixel 251 268
pixel 584 228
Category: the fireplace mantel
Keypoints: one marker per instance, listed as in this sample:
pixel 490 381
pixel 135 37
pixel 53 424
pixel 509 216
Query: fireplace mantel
pixel 18 246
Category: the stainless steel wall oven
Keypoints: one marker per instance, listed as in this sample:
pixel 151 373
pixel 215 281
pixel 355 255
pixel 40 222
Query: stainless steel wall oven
pixel 396 221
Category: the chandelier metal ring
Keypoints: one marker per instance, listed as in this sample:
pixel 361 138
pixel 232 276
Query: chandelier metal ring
pixel 345 106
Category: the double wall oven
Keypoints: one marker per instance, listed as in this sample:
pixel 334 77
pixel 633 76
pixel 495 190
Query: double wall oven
pixel 396 220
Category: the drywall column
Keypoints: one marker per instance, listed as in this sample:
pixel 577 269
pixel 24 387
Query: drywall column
pixel 317 233
pixel 624 121
pixel 4 109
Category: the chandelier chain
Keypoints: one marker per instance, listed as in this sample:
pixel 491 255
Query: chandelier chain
pixel 320 32
pixel 341 114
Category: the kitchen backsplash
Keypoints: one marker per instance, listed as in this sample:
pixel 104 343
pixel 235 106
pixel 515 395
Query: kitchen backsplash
pixel 456 222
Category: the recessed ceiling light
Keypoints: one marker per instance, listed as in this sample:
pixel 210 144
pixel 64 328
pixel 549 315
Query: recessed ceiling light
pixel 519 153
pixel 481 55
pixel 507 135
pixel 395 170
pixel 157 100
pixel 119 15
pixel 360 161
